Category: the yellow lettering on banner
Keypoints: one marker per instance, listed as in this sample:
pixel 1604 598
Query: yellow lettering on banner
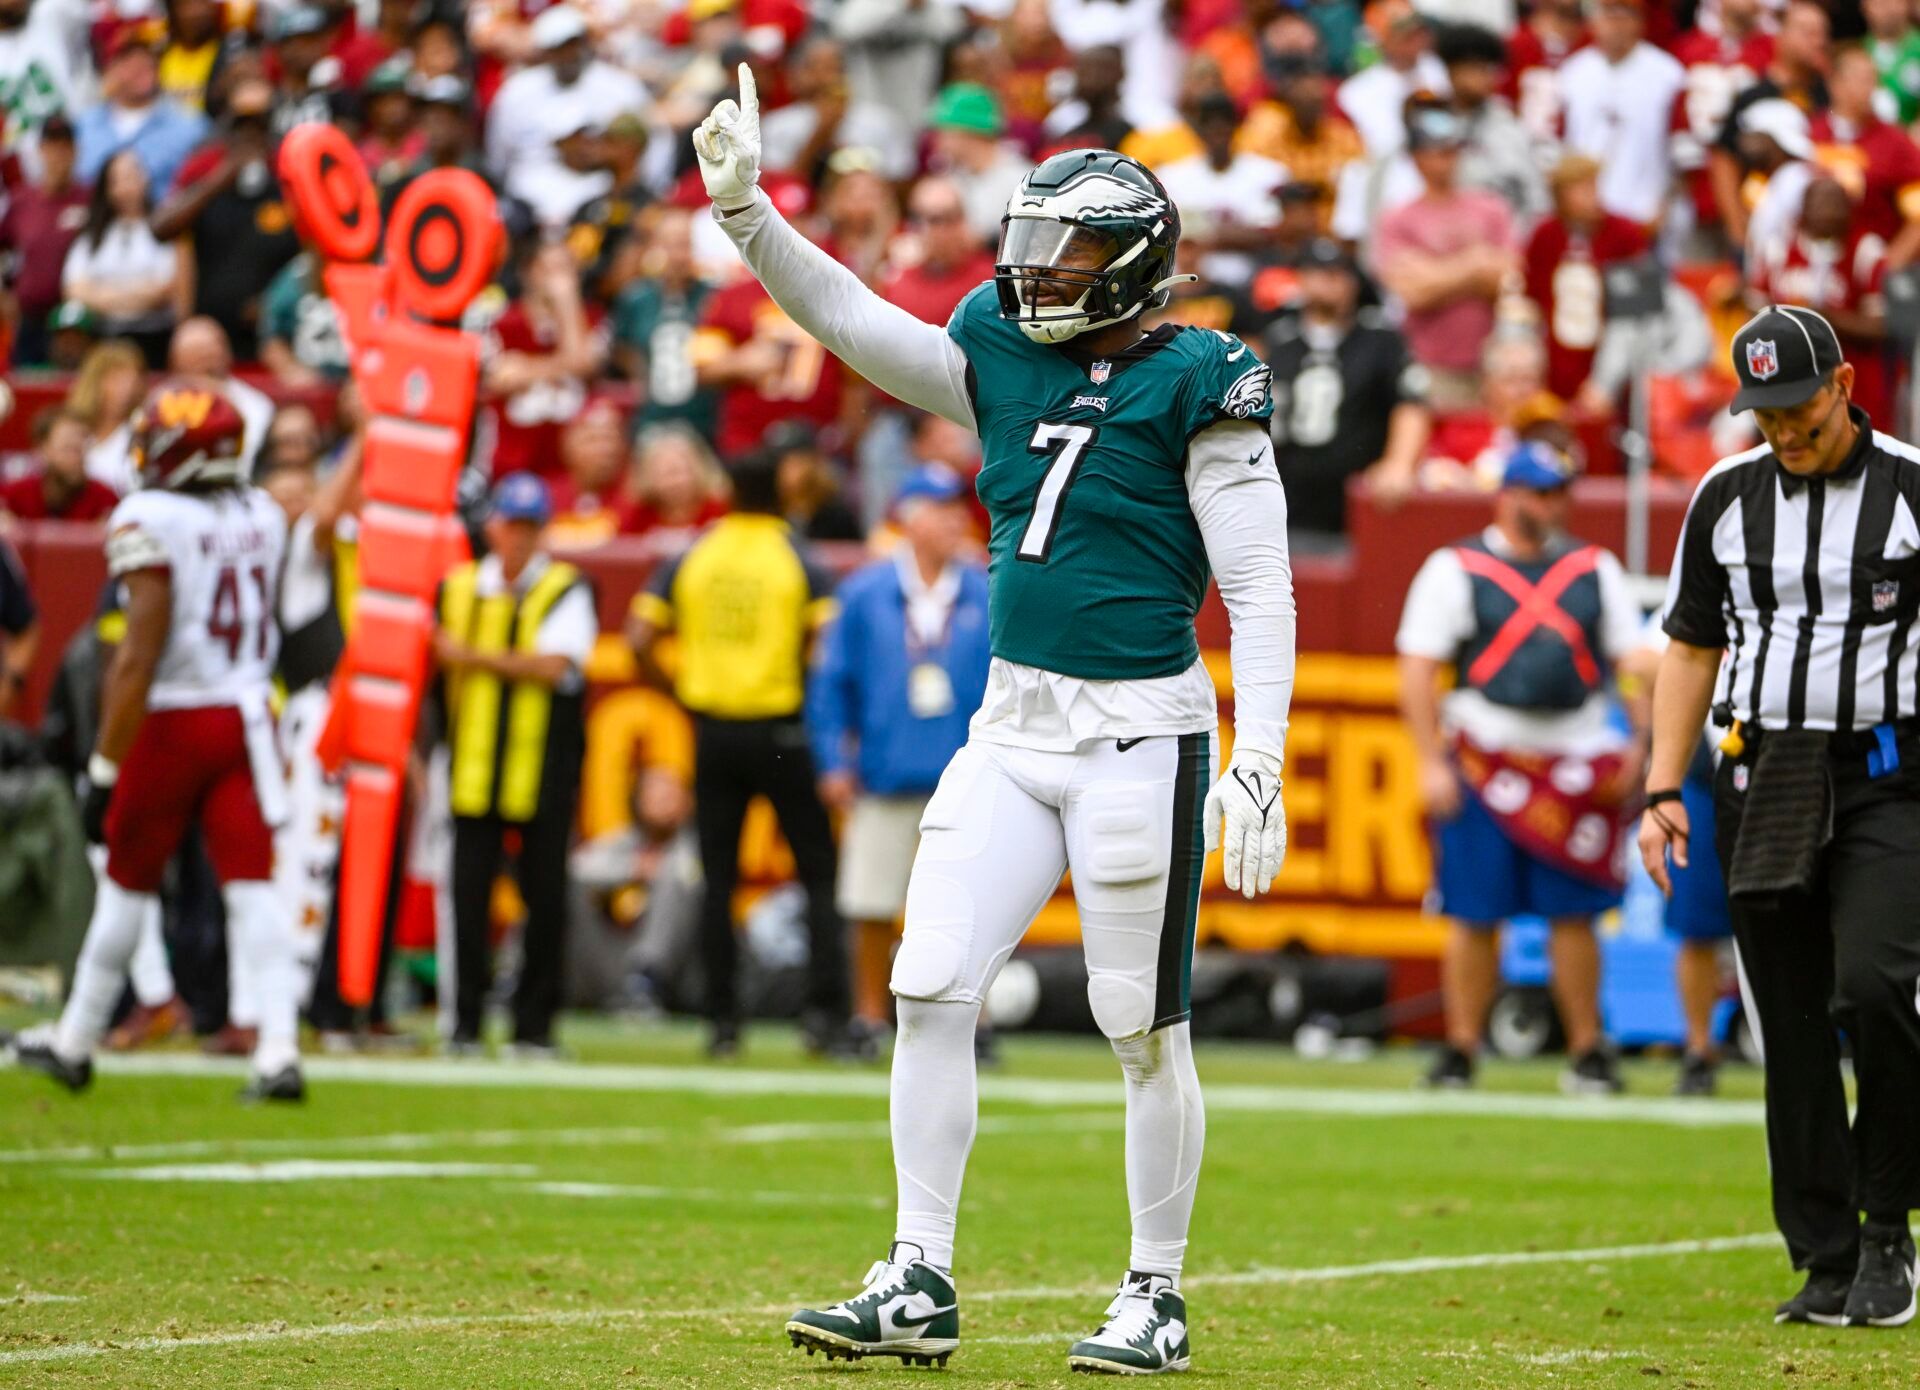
pixel 1377 841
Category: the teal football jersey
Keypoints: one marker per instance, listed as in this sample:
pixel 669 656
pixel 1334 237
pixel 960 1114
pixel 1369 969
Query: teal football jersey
pixel 1097 566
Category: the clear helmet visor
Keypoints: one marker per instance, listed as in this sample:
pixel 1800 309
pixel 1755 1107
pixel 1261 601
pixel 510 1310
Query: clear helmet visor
pixel 1061 261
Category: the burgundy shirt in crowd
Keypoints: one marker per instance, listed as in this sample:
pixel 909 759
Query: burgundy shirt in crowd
pixel 27 499
pixel 38 228
pixel 1878 163
pixel 1563 278
pixel 932 295
pixel 1448 337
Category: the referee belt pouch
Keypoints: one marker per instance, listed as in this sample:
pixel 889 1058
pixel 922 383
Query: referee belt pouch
pixel 1786 818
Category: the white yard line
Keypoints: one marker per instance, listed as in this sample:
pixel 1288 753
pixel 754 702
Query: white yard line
pixel 872 1085
pixel 35 1296
pixel 835 1131
pixel 276 1333
pixel 648 1193
pixel 306 1170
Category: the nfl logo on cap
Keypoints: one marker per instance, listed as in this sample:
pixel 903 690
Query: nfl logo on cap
pixel 1762 360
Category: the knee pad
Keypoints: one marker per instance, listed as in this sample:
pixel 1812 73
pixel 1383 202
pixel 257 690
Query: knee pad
pixel 1122 1007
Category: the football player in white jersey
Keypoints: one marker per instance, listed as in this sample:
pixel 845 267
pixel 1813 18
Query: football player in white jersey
pixel 186 734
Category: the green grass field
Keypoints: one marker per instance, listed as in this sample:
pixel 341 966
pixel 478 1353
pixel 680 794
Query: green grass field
pixel 644 1217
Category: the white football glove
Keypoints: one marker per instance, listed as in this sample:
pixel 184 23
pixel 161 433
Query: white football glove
pixel 728 143
pixel 1246 800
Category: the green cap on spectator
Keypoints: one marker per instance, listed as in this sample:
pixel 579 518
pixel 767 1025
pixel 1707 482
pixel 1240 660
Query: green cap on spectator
pixel 394 75
pixel 969 107
pixel 73 314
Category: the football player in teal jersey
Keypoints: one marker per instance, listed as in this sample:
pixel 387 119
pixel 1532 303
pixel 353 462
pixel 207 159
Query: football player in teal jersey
pixel 1122 467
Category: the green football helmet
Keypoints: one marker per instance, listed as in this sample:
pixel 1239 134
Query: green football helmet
pixel 1087 241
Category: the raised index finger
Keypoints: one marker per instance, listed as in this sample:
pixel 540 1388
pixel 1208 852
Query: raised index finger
pixel 749 96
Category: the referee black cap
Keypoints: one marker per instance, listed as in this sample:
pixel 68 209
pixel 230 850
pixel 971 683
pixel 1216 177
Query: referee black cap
pixel 1781 356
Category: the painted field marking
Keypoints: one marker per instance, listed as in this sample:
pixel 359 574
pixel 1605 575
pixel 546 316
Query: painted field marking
pixel 36 1296
pixel 713 1081
pixel 307 1170
pixel 650 1193
pixel 280 1333
pixel 835 1131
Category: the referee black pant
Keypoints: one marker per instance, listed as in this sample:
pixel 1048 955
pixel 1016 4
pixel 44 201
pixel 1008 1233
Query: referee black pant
pixel 736 760
pixel 1845 956
pixel 540 870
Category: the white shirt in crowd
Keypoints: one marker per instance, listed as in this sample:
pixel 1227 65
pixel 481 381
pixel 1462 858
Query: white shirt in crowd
pixel 571 626
pixel 1771 227
pixel 129 256
pixel 532 111
pixel 929 606
pixel 1622 115
pixel 1139 29
pixel 1240 195
pixel 1375 100
pixel 1438 620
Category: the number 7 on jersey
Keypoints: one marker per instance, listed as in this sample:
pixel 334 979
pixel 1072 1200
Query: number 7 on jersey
pixel 1068 445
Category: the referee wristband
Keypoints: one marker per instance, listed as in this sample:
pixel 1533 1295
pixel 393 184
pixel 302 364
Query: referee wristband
pixel 1660 798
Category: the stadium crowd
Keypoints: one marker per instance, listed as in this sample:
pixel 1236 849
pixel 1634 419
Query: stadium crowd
pixel 1408 209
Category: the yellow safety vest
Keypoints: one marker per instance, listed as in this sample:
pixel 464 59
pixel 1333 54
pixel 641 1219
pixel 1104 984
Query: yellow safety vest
pixel 473 697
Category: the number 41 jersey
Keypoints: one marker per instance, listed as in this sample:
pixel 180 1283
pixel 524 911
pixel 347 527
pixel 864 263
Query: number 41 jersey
pixel 1097 566
pixel 222 551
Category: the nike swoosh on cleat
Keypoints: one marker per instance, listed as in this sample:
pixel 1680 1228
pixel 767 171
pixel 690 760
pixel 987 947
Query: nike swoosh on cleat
pixel 896 1320
pixel 1123 744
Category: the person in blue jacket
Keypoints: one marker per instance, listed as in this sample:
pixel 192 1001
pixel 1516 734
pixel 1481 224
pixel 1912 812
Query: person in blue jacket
pixel 896 678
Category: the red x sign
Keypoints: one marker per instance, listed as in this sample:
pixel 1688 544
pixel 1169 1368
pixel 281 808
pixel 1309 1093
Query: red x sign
pixel 1539 606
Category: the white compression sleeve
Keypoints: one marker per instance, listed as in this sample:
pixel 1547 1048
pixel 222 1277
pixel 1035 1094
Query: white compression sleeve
pixel 101 973
pixel 260 935
pixel 1234 489
pixel 918 362
pixel 1166 1131
pixel 934 1112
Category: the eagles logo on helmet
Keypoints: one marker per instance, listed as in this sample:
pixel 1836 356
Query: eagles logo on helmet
pixel 1087 241
pixel 187 435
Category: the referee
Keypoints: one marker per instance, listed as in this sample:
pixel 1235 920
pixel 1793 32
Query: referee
pixel 1792 609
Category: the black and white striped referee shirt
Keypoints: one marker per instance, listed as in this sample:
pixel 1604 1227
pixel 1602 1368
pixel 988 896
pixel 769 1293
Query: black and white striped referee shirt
pixel 1811 584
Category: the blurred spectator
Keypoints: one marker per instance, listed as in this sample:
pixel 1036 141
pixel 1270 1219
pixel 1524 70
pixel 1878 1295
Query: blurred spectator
pixel 200 348
pixel 1876 161
pixel 292 442
pixel 58 488
pixel 1894 43
pixel 1775 144
pixel 1237 50
pixel 445 106
pixel 1298 130
pixel 227 199
pixel 300 338
pixel 188 52
pixel 1375 98
pixel 72 331
pixel 1565 257
pixel 1470 444
pixel 370 47
pixel 40 74
pixel 1348 399
pixel 810 490
pixel 1553 32
pixel 823 117
pixel 566 89
pixel 1721 62
pixel 898 675
pixel 893 53
pixel 1150 55
pixel 949 260
pixel 1797 75
pixel 520 773
pixel 392 140
pixel 1619 100
pixel 654 321
pixel 1274 287
pixel 587 507
pixel 300 38
pixel 1091 115
pixel 557 191
pixel 135 115
pixel 1226 200
pixel 541 354
pixel 605 235
pixel 1447 257
pixel 131 282
pixel 107 389
pixel 1500 155
pixel 1675 342
pixel 744 603
pixel 764 366
pixel 42 217
pixel 1832 263
pixel 19 629
pixel 861 212
pixel 967 125
pixel 676 487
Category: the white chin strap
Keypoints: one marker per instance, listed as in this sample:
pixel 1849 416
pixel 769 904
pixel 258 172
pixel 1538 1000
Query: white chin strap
pixel 1051 325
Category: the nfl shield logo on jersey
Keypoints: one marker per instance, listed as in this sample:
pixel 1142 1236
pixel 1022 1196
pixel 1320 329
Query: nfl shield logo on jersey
pixel 1762 361
pixel 1101 371
pixel 1886 593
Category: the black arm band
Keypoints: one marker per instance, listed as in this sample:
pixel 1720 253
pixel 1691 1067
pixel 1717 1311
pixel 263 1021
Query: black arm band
pixel 1662 797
